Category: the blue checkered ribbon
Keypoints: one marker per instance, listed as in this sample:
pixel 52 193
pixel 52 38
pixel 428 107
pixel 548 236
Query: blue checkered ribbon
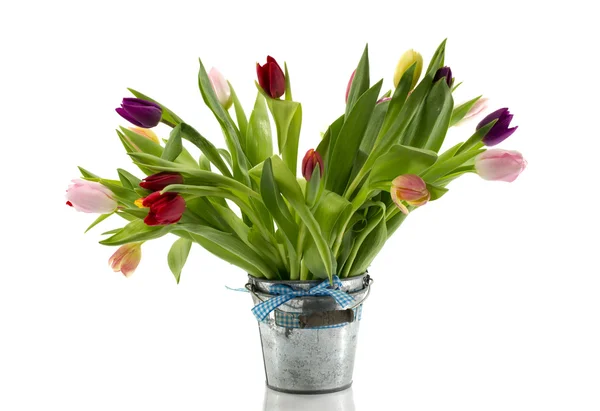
pixel 286 293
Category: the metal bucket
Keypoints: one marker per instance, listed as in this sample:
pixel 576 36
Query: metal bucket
pixel 310 360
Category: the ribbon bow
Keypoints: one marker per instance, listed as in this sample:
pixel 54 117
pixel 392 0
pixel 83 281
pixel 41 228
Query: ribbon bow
pixel 286 293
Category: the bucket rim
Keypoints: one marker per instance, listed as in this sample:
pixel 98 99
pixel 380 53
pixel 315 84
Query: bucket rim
pixel 297 282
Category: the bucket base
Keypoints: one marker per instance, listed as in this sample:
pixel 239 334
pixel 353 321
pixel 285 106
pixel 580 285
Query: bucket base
pixel 317 392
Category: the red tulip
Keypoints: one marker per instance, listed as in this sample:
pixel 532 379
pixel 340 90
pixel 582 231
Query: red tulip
pixel 271 78
pixel 165 208
pixel 309 162
pixel 157 182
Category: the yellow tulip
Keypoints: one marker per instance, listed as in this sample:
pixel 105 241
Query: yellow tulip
pixel 408 59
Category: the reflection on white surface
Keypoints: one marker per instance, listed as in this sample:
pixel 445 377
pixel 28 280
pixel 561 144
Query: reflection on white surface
pixel 337 401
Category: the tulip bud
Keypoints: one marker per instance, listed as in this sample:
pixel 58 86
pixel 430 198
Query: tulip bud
pixel 383 100
pixel 165 208
pixel 309 162
pixel 444 72
pixel 349 86
pixel 408 59
pixel 142 113
pixel 500 165
pixel 221 88
pixel 411 189
pixel 126 258
pixel 157 182
pixel 479 106
pixel 271 78
pixel 90 197
pixel 499 131
pixel 146 132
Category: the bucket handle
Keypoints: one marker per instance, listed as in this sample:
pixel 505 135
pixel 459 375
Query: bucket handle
pixel 367 282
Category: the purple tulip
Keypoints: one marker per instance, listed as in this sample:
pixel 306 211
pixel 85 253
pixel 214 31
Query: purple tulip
pixel 500 131
pixel 444 72
pixel 140 112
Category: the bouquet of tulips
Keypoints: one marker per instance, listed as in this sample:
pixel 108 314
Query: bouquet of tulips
pixel 377 161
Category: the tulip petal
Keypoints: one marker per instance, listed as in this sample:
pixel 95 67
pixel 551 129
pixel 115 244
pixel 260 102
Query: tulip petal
pixel 123 113
pixel 398 202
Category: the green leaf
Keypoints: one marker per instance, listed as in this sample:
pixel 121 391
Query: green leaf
pixel 168 117
pixel 437 61
pixel 330 213
pixel 232 136
pixel 476 138
pixel 226 156
pixel 270 193
pixel 369 248
pixel 123 194
pixel 101 218
pixel 461 111
pixel 398 99
pixel 291 191
pixel 174 146
pixel 440 169
pixel 137 231
pixel 140 213
pixel 240 116
pixel 288 85
pixel 229 248
pixel 208 149
pixel 360 82
pixel 140 143
pixel 288 121
pixel 373 129
pixel 178 255
pixel 259 144
pixel 349 139
pixel 313 188
pixel 193 176
pixel 128 180
pixel 87 174
pixel 204 163
pixel 434 118
pixel 400 160
pixel 436 191
pixel 329 139
pixel 373 222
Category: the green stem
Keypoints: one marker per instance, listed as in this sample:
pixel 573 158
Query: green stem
pixel 299 249
pixel 358 201
pixel 303 271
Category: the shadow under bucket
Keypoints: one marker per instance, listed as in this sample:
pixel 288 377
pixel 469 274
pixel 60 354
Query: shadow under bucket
pixel 309 342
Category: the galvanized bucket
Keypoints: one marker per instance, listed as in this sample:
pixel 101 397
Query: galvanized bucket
pixel 300 355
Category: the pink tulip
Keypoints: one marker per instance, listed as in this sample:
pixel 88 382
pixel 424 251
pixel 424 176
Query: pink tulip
pixel 349 85
pixel 126 258
pixel 500 165
pixel 479 106
pixel 90 197
pixel 221 87
pixel 411 189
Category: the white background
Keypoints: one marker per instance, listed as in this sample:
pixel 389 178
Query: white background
pixel 488 299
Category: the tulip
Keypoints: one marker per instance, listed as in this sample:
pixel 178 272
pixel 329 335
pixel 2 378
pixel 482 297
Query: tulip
pixel 140 112
pixel 411 189
pixel 309 163
pixel 165 208
pixel 479 106
pixel 221 88
pixel 499 131
pixel 409 58
pixel 90 197
pixel 126 258
pixel 383 100
pixel 444 72
pixel 146 132
pixel 157 182
pixel 500 165
pixel 349 86
pixel 271 78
